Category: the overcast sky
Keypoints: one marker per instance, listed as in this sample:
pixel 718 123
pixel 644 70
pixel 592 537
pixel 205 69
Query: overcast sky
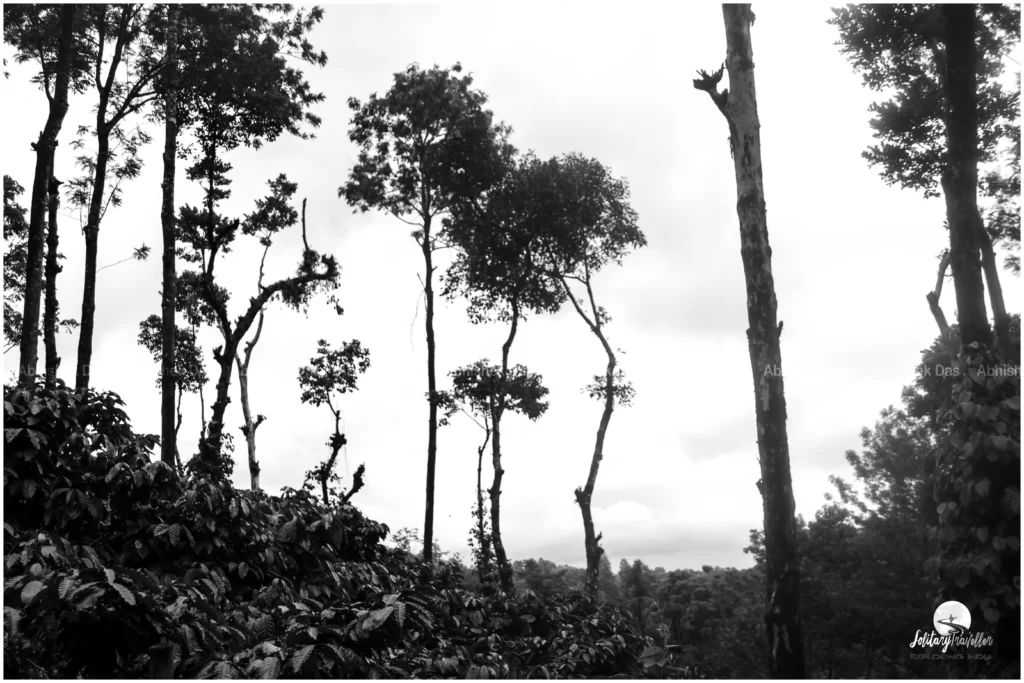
pixel 853 260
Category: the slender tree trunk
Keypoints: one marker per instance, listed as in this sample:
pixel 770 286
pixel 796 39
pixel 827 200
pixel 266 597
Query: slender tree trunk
pixel 52 269
pixel 177 428
pixel 960 176
pixel 484 564
pixel 249 428
pixel 428 292
pixel 168 295
pixel 92 239
pixel 505 573
pixel 337 441
pixel 584 495
pixel 44 149
pixel 1000 319
pixel 739 105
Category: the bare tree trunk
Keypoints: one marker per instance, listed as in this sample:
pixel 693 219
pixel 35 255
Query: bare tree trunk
pixel 484 564
pixel 168 295
pixel 960 176
pixel 44 149
pixel 1000 319
pixel 505 574
pixel 739 106
pixel 250 426
pixel 933 303
pixel 52 269
pixel 428 292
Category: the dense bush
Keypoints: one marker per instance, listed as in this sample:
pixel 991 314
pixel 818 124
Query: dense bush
pixel 108 554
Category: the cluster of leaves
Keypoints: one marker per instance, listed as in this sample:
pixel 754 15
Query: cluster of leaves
pixel 108 554
pixel 15 257
pixel 978 494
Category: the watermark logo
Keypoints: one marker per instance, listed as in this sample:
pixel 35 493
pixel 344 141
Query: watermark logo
pixel 951 635
pixel 952 618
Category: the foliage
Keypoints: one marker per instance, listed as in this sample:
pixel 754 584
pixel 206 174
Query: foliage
pixel 189 370
pixel 333 371
pixel 423 145
pixel 898 50
pixel 978 494
pixel 241 583
pixel 479 388
pixel 15 258
pixel 499 237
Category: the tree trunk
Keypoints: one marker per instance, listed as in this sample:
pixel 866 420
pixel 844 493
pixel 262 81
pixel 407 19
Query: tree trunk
pixel 44 149
pixel 168 295
pixel 484 564
pixel 960 176
pixel 1000 319
pixel 215 428
pixel 249 428
pixel 428 292
pixel 52 269
pixel 505 573
pixel 739 105
pixel 592 540
pixel 92 238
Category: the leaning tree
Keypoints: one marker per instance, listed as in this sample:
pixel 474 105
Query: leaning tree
pixel 592 225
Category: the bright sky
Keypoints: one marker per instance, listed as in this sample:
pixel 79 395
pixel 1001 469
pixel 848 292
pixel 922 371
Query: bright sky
pixel 853 260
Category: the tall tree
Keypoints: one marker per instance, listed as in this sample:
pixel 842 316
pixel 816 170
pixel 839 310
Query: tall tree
pixel 489 391
pixel 121 30
pixel 168 86
pixel 209 34
pixel 46 35
pixel 739 107
pixel 333 371
pixel 498 268
pixel 424 145
pixel 949 113
pixel 594 226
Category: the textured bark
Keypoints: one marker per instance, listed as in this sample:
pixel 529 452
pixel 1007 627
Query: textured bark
pixel 44 149
pixel 428 292
pixel 168 331
pixel 52 269
pixel 739 105
pixel 960 177
pixel 505 573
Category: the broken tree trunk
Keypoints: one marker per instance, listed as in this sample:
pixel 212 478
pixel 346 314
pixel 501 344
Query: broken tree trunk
pixel 739 106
